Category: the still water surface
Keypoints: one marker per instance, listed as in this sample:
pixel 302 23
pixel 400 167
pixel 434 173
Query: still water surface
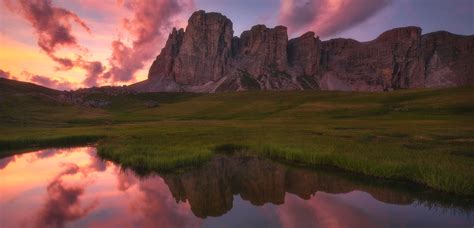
pixel 74 188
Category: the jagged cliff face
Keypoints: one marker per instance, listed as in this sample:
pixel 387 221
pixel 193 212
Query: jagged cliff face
pixel 448 59
pixel 391 61
pixel 207 58
pixel 205 50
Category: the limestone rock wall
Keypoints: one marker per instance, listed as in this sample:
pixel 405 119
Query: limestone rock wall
pixel 206 57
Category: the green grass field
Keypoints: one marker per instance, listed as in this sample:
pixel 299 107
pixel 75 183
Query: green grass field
pixel 424 136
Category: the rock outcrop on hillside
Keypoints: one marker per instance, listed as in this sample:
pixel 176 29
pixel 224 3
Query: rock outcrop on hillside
pixel 207 58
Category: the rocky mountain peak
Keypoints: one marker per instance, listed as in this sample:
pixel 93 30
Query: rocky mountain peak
pixel 207 57
pixel 400 34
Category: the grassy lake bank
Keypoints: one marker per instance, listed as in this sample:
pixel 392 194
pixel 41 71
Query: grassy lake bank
pixel 423 136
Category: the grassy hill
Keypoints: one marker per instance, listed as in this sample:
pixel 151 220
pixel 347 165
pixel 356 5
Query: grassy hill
pixel 424 136
pixel 25 104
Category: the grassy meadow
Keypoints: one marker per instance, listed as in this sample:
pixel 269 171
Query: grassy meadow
pixel 423 136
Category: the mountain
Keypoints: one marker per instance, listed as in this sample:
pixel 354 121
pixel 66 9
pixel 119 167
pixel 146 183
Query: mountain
pixel 206 57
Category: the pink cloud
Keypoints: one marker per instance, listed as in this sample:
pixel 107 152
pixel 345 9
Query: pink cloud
pixel 54 29
pixel 63 202
pixel 145 30
pixel 5 161
pixel 154 202
pixel 322 210
pixel 7 75
pixel 149 26
pixel 125 180
pixel 53 26
pixel 159 208
pixel 93 70
pixel 327 17
pixel 50 83
pixel 60 84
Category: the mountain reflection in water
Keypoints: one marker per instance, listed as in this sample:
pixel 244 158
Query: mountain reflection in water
pixel 73 187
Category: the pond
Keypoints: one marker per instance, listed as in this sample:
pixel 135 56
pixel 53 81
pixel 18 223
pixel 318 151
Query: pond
pixel 73 187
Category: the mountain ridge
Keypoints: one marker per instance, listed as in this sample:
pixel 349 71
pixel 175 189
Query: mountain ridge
pixel 207 57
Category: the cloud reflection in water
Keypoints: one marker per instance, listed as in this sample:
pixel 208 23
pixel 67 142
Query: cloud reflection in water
pixel 73 187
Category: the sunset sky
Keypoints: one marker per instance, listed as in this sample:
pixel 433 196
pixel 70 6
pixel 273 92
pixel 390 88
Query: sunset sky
pixel 68 44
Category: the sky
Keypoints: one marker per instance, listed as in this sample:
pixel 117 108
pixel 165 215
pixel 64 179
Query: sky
pixel 70 44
